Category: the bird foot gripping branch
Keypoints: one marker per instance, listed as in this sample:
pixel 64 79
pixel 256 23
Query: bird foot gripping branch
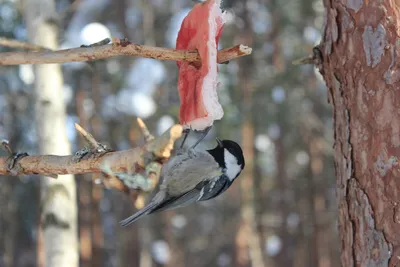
pixel 96 149
pixel 12 161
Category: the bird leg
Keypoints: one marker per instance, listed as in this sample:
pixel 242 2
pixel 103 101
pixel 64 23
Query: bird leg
pixel 203 135
pixel 186 133
pixel 192 153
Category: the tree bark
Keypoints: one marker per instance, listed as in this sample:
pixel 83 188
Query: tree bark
pixel 58 201
pixel 359 50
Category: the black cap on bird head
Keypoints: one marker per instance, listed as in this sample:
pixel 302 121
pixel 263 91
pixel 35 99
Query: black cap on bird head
pixel 220 153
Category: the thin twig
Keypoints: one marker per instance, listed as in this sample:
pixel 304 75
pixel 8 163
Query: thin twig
pixel 6 146
pixel 21 44
pixel 314 59
pixel 87 136
pixel 304 60
pixel 145 131
pixel 117 48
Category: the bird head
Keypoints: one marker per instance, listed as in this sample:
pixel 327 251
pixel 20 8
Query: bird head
pixel 229 156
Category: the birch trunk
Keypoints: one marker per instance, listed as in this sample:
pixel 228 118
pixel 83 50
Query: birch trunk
pixel 58 196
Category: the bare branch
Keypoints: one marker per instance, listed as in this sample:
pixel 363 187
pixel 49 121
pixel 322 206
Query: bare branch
pixel 304 60
pixel 99 43
pixel 6 146
pixel 20 44
pixel 145 131
pixel 117 48
pixel 87 136
pixel 314 59
pixel 119 161
pixel 161 147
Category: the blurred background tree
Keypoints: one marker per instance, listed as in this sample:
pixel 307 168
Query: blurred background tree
pixel 282 212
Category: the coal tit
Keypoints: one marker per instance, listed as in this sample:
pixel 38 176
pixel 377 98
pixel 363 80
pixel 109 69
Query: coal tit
pixel 194 176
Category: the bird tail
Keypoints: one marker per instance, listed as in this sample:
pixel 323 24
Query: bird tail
pixel 146 210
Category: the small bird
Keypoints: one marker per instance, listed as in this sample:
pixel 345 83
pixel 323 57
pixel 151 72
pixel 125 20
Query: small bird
pixel 194 176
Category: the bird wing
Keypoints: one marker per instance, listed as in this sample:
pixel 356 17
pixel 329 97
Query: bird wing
pixel 205 190
pixel 179 201
pixel 187 172
pixel 186 179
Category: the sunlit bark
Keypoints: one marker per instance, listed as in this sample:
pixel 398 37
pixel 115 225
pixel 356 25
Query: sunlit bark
pixel 359 63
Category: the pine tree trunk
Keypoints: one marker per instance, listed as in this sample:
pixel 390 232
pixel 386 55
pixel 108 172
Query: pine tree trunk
pixel 58 201
pixel 248 242
pixel 359 64
pixel 248 226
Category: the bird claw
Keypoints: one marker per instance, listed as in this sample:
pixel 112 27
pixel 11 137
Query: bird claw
pixel 180 151
pixel 192 153
pixel 12 160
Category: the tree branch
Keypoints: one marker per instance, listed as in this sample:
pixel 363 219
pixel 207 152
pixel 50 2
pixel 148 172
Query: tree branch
pixel 126 161
pixel 315 59
pixel 21 44
pixel 117 48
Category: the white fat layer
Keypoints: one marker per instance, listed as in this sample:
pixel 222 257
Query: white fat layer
pixel 199 124
pixel 210 81
pixel 231 164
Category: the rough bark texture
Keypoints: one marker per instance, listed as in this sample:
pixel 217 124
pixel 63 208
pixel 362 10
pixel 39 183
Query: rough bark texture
pixel 359 50
pixel 58 202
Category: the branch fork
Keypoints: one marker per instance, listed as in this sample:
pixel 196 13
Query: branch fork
pixel 137 168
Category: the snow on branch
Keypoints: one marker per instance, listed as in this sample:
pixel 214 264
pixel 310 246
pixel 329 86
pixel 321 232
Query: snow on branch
pixel 117 48
pixel 132 167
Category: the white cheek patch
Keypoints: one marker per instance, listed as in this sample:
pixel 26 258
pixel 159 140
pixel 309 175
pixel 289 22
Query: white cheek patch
pixel 231 164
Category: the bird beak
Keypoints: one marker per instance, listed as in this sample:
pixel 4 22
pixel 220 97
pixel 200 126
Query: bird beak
pixel 219 142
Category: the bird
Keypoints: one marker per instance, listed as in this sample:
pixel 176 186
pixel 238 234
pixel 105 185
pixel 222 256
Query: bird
pixel 193 176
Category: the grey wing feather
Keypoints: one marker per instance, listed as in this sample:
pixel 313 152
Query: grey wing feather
pixel 177 202
pixel 185 173
pixel 131 219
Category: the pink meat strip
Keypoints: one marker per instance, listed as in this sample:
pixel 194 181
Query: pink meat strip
pixel 197 85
